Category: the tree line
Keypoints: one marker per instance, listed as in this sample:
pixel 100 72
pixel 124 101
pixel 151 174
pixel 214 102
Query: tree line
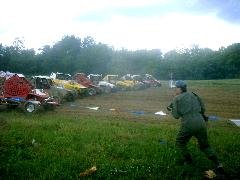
pixel 72 54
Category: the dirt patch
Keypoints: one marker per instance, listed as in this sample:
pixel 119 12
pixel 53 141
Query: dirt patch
pixel 219 102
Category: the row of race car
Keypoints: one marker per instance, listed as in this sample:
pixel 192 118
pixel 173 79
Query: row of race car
pixel 50 91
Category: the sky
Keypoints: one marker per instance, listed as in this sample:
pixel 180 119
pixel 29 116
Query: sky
pixel 129 24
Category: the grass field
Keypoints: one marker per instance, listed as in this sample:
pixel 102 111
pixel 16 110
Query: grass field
pixel 130 142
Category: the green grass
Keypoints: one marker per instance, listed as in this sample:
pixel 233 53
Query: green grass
pixel 121 145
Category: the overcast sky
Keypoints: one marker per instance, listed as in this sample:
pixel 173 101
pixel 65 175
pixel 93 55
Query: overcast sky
pixel 131 24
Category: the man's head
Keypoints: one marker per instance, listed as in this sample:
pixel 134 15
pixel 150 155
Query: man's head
pixel 181 87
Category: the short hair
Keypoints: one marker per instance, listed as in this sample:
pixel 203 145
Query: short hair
pixel 184 89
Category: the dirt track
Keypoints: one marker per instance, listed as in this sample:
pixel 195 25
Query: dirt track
pixel 219 102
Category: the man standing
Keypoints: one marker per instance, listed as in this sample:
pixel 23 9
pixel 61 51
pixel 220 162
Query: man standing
pixel 190 108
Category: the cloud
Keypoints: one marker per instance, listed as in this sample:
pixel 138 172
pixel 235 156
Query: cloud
pixel 228 10
pixel 164 25
pixel 135 24
pixel 164 32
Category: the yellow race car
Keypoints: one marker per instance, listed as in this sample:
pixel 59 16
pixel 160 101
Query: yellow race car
pixel 121 84
pixel 66 81
pixel 135 85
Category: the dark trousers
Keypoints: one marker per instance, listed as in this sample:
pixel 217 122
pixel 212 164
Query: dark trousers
pixel 185 134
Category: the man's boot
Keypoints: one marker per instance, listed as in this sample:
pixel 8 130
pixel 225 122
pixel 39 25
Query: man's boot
pixel 188 159
pixel 218 165
pixel 215 160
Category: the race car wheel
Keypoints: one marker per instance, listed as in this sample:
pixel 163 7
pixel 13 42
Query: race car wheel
pixel 30 107
pixel 92 92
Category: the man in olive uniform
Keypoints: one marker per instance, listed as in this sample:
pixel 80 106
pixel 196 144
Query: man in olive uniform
pixel 190 108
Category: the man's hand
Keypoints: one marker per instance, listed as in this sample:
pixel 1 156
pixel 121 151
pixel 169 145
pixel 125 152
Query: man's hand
pixel 169 108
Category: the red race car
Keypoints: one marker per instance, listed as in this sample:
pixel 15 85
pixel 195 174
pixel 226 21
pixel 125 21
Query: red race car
pixel 16 90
